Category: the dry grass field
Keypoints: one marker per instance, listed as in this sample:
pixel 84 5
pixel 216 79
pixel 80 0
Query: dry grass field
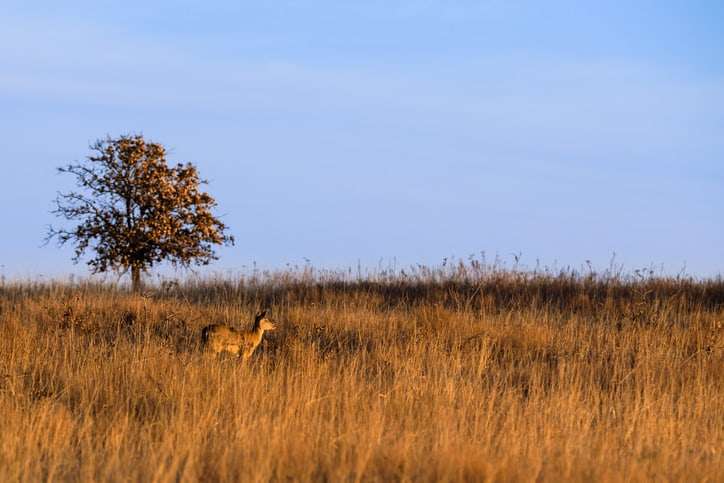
pixel 450 374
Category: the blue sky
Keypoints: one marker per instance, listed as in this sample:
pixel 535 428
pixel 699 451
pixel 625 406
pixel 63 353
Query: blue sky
pixel 358 131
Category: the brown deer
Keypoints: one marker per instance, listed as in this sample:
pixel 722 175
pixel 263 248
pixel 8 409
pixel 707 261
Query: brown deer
pixel 218 338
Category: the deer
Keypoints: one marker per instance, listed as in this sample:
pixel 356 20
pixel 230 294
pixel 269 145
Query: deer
pixel 217 338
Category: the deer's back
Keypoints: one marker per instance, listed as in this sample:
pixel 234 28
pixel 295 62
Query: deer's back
pixel 219 338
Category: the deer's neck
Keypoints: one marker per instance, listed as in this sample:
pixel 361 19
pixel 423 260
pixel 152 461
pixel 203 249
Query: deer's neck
pixel 257 334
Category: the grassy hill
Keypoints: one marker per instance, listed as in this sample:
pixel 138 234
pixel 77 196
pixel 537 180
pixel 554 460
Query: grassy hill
pixel 456 373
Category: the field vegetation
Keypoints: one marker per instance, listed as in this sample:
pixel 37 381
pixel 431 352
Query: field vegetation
pixel 457 373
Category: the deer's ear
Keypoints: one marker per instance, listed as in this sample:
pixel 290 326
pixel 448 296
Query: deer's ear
pixel 261 314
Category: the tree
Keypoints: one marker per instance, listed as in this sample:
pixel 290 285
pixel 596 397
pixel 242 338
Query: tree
pixel 134 210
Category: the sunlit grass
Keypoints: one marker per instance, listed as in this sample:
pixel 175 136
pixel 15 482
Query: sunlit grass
pixel 436 375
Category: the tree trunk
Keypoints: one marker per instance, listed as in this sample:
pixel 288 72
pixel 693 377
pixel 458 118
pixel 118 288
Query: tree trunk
pixel 135 278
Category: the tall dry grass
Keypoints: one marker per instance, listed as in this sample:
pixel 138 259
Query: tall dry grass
pixel 437 375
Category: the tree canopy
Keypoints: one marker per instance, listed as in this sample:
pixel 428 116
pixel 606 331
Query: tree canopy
pixel 134 210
